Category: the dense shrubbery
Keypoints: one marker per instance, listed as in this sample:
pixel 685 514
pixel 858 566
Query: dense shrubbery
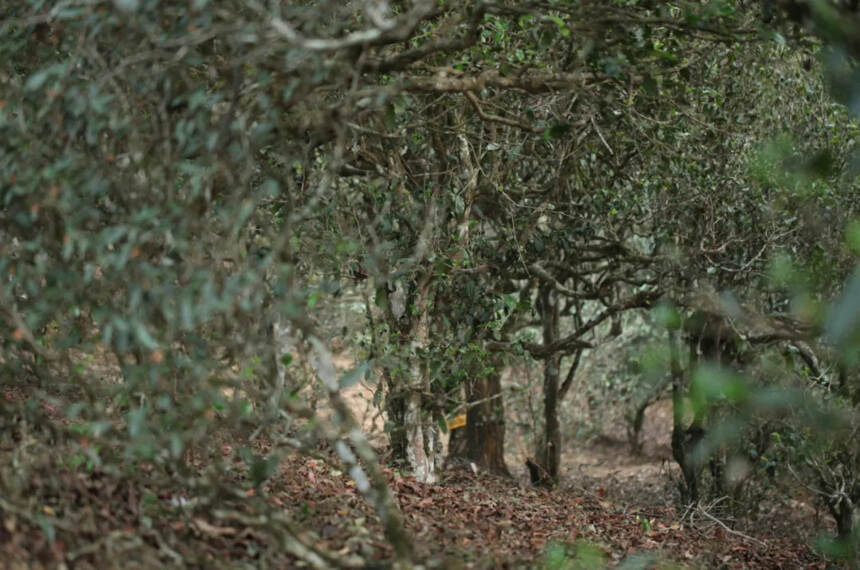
pixel 187 193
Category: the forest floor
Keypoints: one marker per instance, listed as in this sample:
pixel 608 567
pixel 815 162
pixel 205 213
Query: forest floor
pixel 608 515
pixel 612 508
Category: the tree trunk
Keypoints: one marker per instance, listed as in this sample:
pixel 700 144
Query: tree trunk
pixel 423 443
pixel 549 453
pixel 419 448
pixel 634 430
pixel 395 408
pixel 710 340
pixel 457 445
pixel 282 346
pixel 416 446
pixel 843 513
pixel 682 437
pixel 485 423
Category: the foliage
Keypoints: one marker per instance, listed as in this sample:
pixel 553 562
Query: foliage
pixel 189 192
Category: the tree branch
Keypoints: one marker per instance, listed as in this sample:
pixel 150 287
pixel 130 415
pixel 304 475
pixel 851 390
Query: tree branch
pixel 448 81
pixel 473 99
pixel 643 299
pixel 403 60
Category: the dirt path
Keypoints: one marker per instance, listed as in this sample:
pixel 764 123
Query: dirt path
pixel 604 470
pixel 607 467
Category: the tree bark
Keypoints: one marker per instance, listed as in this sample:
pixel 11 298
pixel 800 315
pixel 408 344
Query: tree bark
pixel 423 443
pixel 485 423
pixel 457 445
pixel 710 340
pixel 549 453
pixel 634 430
pixel 395 408
pixel 419 448
pixel 843 513
pixel 684 438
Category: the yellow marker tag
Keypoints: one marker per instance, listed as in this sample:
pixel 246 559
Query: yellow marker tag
pixel 457 422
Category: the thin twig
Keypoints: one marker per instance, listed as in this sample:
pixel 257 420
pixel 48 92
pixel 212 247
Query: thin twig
pixel 599 134
pixel 473 99
pixel 732 531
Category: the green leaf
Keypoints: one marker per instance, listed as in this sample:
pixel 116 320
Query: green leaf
pixel 136 422
pixel 354 376
pixel 442 423
pixel 262 468
pixel 176 445
pixel 562 27
pixel 127 5
pixel 649 85
pixel 36 80
pixel 47 528
pixel 782 271
pixel 667 316
pixel 143 337
pixel 843 324
pixel 711 384
pixel 852 237
pixel 557 130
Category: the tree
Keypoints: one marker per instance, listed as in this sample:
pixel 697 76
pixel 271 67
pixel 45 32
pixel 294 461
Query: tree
pixel 185 189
